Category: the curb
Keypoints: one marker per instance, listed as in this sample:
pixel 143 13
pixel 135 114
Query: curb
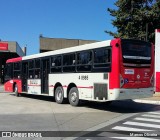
pixel 147 101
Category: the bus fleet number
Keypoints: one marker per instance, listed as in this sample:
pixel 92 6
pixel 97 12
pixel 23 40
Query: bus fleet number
pixel 83 77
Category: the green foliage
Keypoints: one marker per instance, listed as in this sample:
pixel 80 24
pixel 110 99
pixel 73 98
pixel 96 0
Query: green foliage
pixel 136 19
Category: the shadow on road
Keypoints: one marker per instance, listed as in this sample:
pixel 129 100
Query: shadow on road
pixel 123 106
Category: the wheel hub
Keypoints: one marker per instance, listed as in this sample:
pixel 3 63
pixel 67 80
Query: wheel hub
pixel 59 95
pixel 73 97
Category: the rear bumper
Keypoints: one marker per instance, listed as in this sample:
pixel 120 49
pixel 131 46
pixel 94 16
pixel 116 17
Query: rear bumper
pixel 121 94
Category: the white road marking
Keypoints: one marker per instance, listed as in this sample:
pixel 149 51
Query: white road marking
pixel 157 113
pixel 146 119
pixel 142 124
pixel 133 138
pixel 152 116
pixel 122 128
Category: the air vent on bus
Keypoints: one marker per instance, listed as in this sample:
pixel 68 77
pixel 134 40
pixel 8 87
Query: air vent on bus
pixel 100 91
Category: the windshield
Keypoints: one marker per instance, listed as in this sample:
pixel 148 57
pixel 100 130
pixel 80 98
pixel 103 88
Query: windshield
pixel 136 52
pixel 8 72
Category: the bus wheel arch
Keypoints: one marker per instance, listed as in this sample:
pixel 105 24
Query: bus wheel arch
pixel 59 93
pixel 73 94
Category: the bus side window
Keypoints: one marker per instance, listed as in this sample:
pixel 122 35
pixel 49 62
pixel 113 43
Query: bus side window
pixel 69 62
pixel 37 73
pixel 16 70
pixel 31 69
pixel 56 62
pixel 84 61
pixel 37 69
pixel 102 60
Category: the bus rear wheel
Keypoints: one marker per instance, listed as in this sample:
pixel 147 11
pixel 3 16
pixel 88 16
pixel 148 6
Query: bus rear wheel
pixel 59 95
pixel 74 96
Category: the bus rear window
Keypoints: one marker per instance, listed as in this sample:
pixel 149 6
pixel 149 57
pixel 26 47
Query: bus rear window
pixel 136 52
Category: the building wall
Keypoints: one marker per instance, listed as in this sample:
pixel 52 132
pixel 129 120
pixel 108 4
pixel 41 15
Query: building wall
pixel 48 44
pixel 14 47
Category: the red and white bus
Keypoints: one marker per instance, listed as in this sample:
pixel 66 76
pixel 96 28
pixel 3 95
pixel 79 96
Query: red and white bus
pixel 104 71
pixel 157 61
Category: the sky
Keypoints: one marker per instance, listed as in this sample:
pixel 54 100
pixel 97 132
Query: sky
pixel 24 20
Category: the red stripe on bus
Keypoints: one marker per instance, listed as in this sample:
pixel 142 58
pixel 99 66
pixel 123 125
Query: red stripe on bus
pixel 87 87
pixel 14 60
pixel 34 85
pixel 90 87
pixel 158 30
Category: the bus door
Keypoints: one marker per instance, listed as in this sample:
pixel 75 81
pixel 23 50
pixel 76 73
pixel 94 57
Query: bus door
pixel 44 74
pixel 24 76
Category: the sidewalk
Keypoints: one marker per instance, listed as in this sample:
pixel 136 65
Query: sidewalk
pixel 153 100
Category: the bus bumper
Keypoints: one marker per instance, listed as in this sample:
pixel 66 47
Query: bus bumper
pixel 122 94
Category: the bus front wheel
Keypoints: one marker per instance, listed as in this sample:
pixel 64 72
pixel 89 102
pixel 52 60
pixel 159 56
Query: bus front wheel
pixel 74 96
pixel 59 95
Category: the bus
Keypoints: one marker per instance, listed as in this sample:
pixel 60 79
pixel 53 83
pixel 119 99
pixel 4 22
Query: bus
pixel 104 71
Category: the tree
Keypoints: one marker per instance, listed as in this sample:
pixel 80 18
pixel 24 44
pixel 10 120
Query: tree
pixel 136 19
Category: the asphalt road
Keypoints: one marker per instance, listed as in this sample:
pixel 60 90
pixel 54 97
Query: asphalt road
pixel 142 126
pixel 39 113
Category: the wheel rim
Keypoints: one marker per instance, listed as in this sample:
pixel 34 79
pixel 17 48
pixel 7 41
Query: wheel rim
pixel 73 97
pixel 59 95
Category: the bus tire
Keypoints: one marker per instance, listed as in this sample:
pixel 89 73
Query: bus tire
pixel 59 95
pixel 16 90
pixel 74 96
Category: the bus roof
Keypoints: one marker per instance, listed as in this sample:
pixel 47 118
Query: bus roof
pixel 71 49
pixel 63 51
